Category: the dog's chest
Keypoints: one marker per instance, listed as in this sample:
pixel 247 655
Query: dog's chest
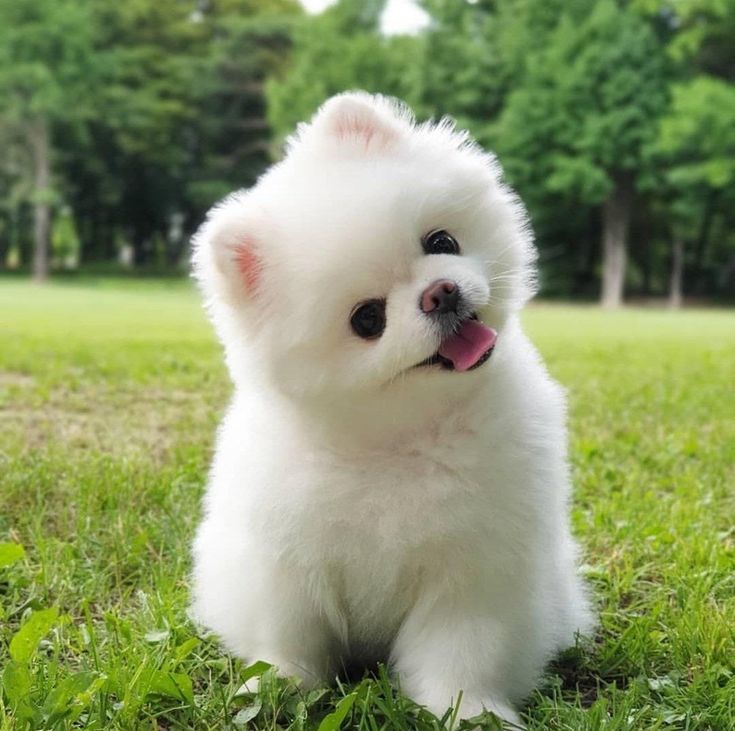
pixel 385 502
pixel 372 527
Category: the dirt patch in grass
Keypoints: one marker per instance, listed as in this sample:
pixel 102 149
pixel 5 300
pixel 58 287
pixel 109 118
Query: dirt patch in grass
pixel 120 420
pixel 10 380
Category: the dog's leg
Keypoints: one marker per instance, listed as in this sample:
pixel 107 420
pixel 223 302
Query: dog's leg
pixel 442 650
pixel 302 655
pixel 260 609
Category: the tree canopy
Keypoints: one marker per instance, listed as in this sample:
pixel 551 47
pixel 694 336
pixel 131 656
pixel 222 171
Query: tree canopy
pixel 122 122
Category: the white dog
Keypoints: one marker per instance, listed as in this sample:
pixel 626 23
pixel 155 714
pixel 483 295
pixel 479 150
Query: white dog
pixel 390 482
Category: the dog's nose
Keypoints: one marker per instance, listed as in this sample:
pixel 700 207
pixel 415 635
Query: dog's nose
pixel 440 297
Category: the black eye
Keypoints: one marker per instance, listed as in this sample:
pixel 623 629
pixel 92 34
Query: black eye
pixel 440 242
pixel 368 319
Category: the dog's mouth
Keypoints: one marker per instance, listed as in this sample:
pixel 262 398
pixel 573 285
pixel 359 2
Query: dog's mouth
pixel 467 348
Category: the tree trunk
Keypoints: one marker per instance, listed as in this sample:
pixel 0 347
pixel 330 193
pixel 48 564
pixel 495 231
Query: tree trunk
pixel 615 224
pixel 41 148
pixel 710 208
pixel 6 240
pixel 677 274
pixel 646 236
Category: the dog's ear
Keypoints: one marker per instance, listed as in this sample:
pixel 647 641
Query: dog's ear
pixel 362 121
pixel 227 251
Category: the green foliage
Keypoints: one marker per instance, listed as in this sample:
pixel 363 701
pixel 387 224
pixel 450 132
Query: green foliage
pixel 47 65
pixel 181 119
pixel 333 722
pixel 588 106
pixel 47 76
pixel 10 553
pixel 476 53
pixel 154 110
pixel 459 68
pixel 235 140
pixel 114 412
pixel 698 134
pixel 337 51
pixel 65 239
pixel 25 641
pixel 704 33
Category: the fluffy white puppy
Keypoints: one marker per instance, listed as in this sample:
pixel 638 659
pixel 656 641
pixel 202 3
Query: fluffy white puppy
pixel 390 482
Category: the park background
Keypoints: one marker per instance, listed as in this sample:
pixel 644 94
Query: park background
pixel 122 121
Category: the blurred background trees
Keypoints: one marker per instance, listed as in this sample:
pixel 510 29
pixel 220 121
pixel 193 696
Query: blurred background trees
pixel 121 123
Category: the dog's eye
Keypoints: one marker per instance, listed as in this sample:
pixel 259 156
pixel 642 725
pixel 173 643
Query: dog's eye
pixel 440 242
pixel 368 319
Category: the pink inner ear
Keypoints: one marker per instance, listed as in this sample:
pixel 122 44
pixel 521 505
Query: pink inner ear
pixel 369 130
pixel 353 127
pixel 248 263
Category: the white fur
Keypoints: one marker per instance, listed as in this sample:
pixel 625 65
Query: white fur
pixel 358 508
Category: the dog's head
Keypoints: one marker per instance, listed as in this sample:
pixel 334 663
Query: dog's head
pixel 378 251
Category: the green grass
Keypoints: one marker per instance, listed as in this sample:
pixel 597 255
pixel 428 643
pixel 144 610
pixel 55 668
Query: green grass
pixel 109 398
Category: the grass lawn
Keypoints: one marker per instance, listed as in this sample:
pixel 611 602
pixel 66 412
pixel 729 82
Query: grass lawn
pixel 109 397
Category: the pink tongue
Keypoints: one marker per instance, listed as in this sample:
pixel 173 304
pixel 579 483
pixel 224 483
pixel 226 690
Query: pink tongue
pixel 468 344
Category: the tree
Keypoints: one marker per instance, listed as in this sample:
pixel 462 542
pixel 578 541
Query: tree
pixel 580 123
pixel 151 61
pixel 46 69
pixel 233 137
pixel 474 53
pixel 16 185
pixel 182 114
pixel 697 147
pixel 338 50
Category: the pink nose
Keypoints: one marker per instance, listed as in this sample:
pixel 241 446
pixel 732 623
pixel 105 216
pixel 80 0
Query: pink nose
pixel 440 297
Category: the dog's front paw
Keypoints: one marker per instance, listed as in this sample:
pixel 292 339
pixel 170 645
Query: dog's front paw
pixel 470 708
pixel 508 717
pixel 299 673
